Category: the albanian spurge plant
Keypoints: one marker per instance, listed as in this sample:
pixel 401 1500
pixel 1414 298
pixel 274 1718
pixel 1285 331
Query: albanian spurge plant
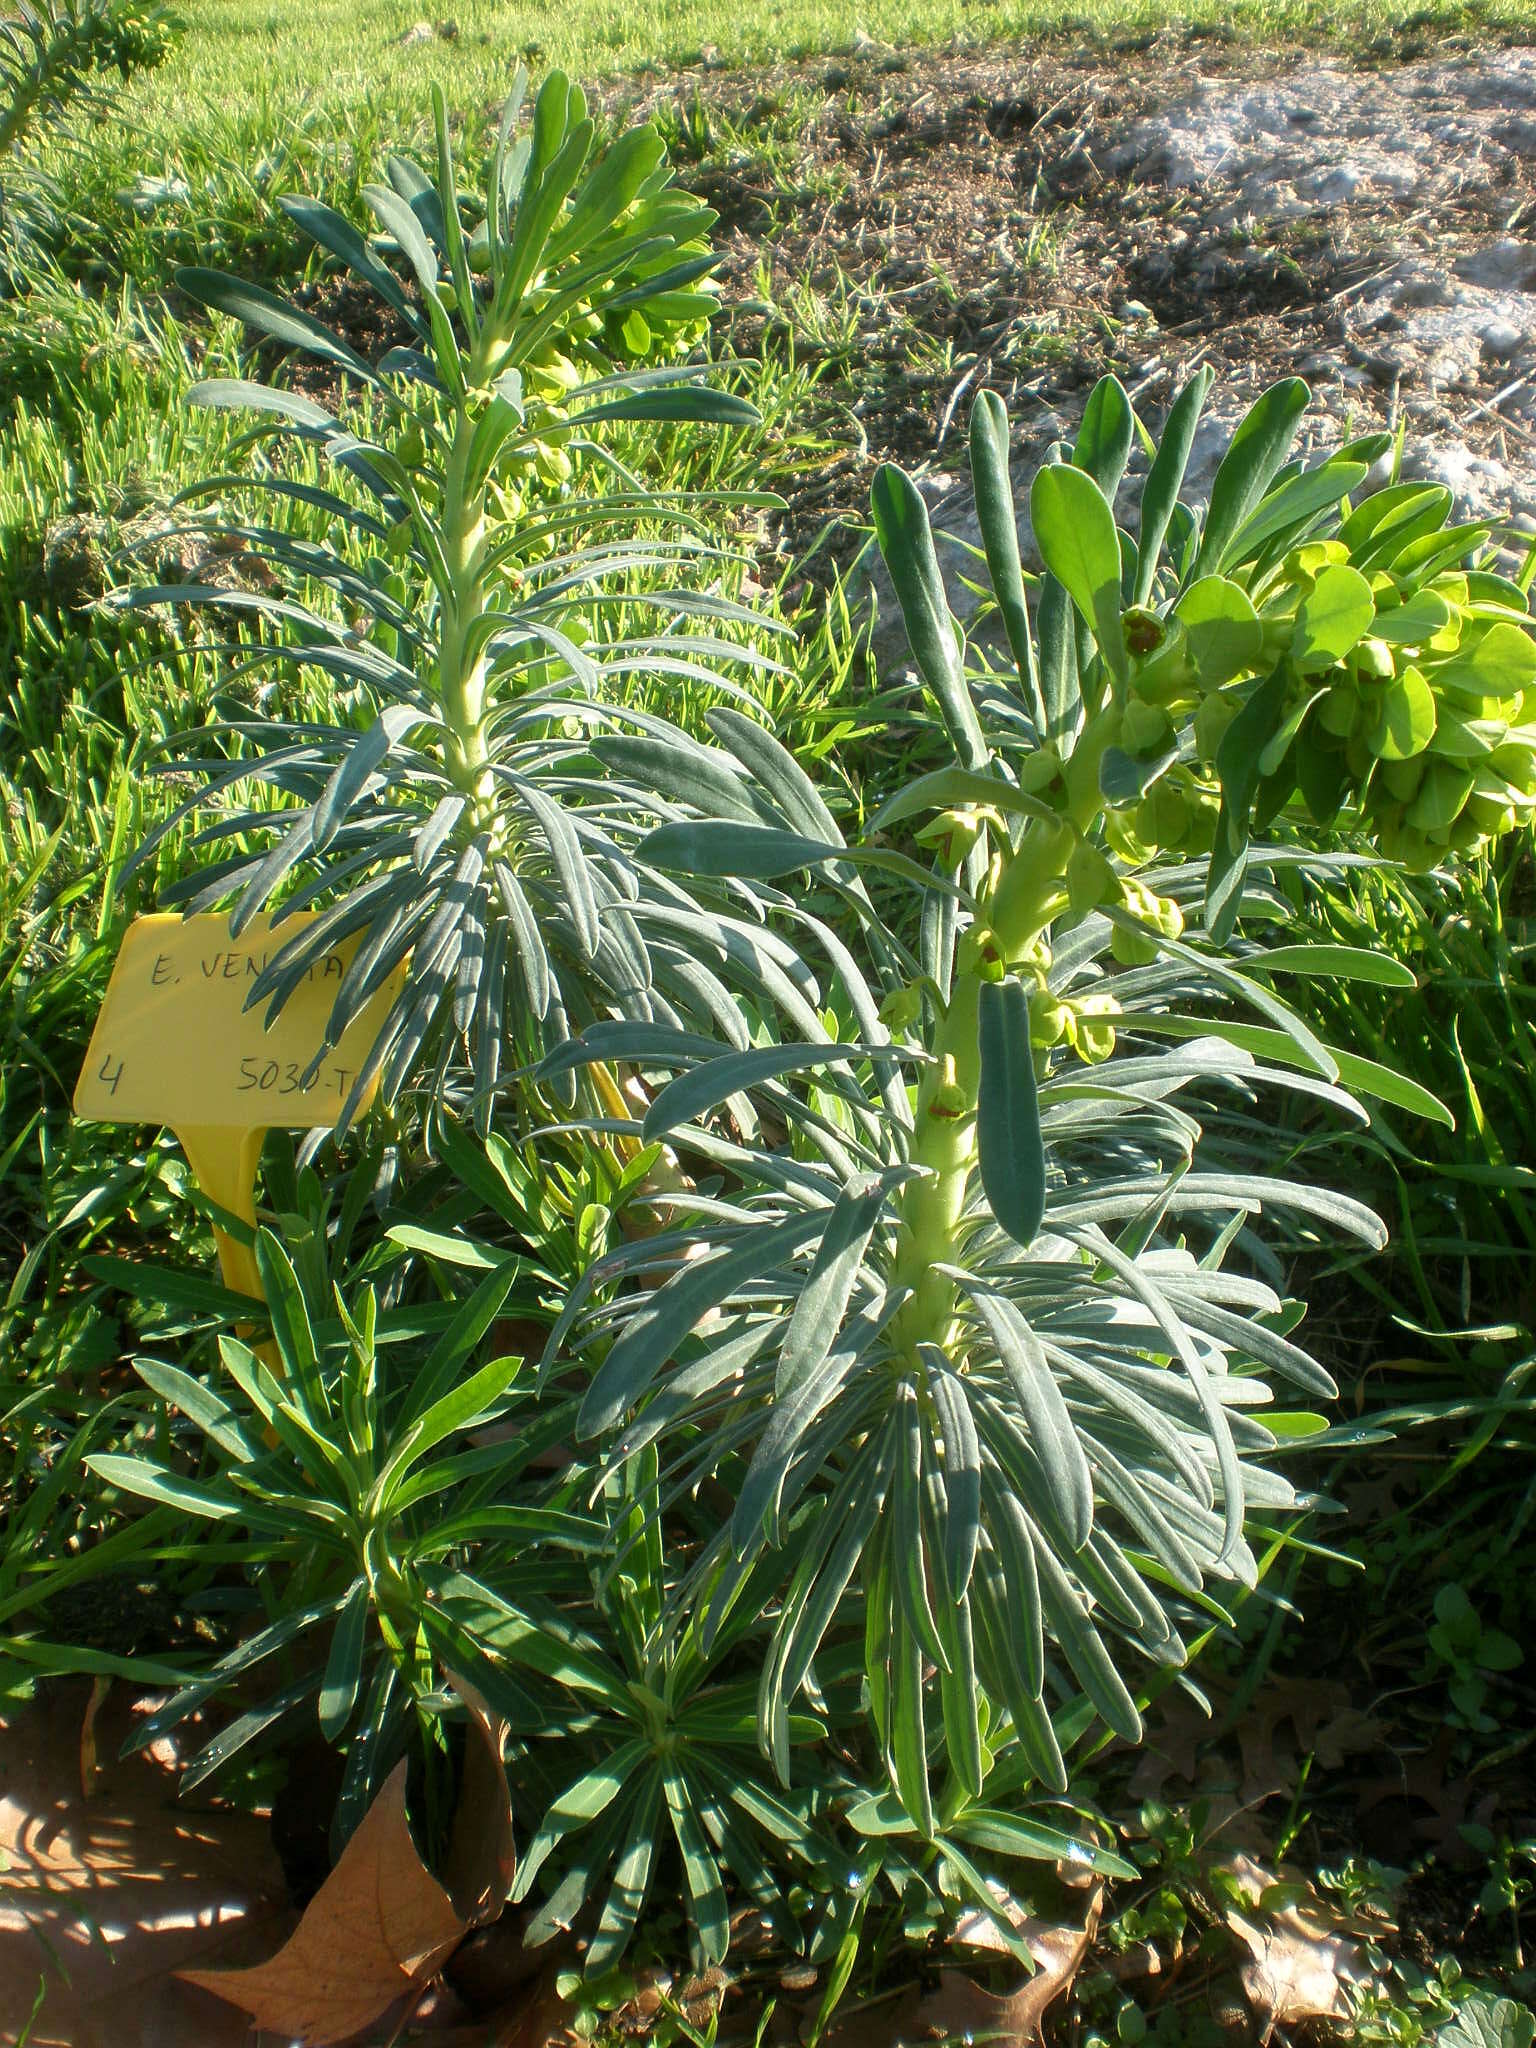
pixel 984 1355
pixel 497 581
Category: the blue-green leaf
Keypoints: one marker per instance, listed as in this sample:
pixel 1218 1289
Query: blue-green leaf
pixel 906 542
pixel 1012 1155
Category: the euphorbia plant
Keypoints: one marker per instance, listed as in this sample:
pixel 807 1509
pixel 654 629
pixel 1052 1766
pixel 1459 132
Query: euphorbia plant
pixel 494 581
pixel 984 1355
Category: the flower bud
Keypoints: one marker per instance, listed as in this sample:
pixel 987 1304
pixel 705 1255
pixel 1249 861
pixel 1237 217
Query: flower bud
pixel 901 1008
pixel 1215 714
pixel 1159 650
pixel 1094 1037
pixel 949 1102
pixel 1049 1022
pixel 952 834
pixel 1143 727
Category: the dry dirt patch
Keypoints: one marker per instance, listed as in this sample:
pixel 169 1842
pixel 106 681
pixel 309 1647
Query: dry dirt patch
pixel 1027 218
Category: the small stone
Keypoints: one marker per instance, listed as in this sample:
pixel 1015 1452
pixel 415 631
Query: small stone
pixel 1337 185
pixel 1380 473
pixel 1384 369
pixel 937 485
pixel 1505 265
pixel 1500 339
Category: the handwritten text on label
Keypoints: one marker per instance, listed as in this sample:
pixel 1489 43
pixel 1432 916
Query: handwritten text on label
pixel 175 1045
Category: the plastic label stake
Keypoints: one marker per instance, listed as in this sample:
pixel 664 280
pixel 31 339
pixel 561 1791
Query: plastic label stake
pixel 175 1045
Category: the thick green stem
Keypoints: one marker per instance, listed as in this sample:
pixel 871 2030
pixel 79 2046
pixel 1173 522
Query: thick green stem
pixel 461 675
pixel 1012 916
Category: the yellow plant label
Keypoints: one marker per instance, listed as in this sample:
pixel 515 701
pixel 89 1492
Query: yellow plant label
pixel 174 1043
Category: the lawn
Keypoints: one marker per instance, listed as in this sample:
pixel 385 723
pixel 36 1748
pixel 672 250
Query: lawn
pixel 265 65
pixel 921 1368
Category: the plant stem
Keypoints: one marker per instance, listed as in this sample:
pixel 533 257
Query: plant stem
pixel 461 677
pixel 1013 914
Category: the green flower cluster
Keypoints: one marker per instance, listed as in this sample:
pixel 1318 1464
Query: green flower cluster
pixel 1396 685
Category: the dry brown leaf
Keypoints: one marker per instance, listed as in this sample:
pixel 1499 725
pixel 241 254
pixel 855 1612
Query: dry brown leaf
pixel 382 1926
pixel 1389 1806
pixel 103 1899
pixel 90 1765
pixel 537 2018
pixel 482 1858
pixel 1298 1967
pixel 1305 1704
pixel 1172 1746
pixel 958 2006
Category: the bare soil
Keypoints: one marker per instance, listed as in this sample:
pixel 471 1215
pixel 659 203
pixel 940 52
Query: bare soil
pixel 1028 218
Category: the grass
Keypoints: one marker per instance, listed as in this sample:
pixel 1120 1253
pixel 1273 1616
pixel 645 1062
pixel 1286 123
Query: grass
pixel 255 101
pixel 350 52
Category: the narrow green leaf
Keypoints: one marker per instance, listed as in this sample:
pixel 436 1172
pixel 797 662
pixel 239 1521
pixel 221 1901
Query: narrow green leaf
pixel 366 755
pixel 720 846
pixel 1360 1075
pixel 706 1086
pixel 1083 1647
pixel 1103 444
pixel 685 403
pixel 649 1339
pixel 590 1796
pixel 272 316
pixel 214 1417
pixel 822 1302
pixel 992 480
pixel 1334 963
pixel 944 788
pixel 1011 1834
pixel 1254 458
pixel 1288 514
pixel 441 1367
pixel 1075 532
pixel 1056 637
pixel 1011 1153
pixel 1165 479
pixel 153 1482
pixel 906 543
pixel 334 232
pixel 909 1731
pixel 962 1470
pixel 1051 1429
pixel 290 1325
pixel 344 1666
pixel 478 1394
pixel 707 1904
pixel 1237 764
pixel 631 1879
